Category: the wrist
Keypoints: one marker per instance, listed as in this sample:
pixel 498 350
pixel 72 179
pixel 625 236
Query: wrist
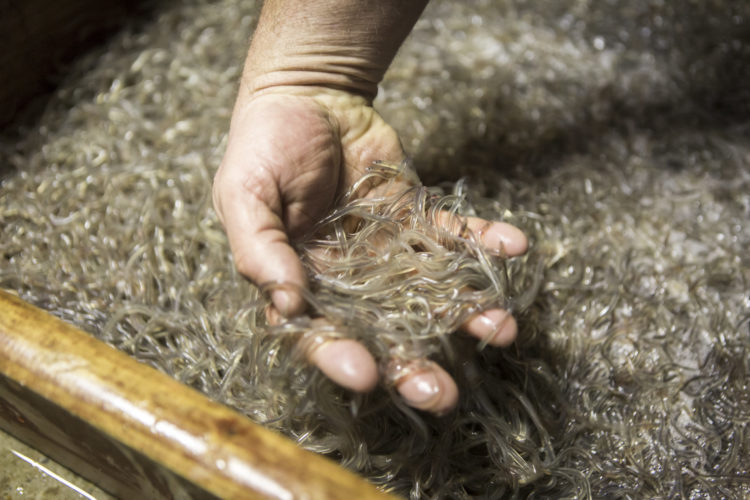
pixel 318 72
pixel 337 44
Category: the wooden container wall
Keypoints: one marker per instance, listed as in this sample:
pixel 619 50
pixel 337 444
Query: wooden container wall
pixel 138 433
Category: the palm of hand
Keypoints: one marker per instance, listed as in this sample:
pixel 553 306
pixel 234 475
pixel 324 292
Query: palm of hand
pixel 290 157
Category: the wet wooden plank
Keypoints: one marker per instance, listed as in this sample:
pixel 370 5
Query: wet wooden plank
pixel 139 433
pixel 117 469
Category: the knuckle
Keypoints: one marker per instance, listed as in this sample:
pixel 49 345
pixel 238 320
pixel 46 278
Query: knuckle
pixel 245 265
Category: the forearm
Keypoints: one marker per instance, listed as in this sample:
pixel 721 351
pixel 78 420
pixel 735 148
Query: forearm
pixel 344 44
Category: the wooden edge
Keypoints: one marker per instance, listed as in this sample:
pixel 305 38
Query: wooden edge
pixel 62 387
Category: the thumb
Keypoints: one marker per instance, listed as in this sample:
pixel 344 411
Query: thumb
pixel 260 246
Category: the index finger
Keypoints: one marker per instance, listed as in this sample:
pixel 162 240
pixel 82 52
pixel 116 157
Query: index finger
pixel 261 247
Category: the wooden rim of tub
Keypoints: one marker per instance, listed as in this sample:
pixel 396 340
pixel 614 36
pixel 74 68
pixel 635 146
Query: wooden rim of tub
pixel 138 433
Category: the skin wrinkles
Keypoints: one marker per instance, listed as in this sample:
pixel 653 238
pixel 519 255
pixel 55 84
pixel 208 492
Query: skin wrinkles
pixel 314 133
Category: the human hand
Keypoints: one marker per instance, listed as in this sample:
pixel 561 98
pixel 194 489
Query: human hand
pixel 293 151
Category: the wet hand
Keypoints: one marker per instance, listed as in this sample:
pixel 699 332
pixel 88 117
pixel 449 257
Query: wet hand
pixel 291 154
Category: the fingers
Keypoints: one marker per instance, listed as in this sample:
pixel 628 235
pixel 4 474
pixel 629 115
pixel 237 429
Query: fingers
pixel 347 363
pixel 499 238
pixel 496 327
pixel 426 386
pixel 279 174
pixel 422 384
pixel 261 247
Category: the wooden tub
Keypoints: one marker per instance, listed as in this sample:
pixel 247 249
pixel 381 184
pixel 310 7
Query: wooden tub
pixel 135 431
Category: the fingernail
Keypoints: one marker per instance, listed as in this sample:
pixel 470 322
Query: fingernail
pixel 420 389
pixel 488 326
pixel 272 315
pixel 282 301
pixel 347 363
pixel 495 327
pixel 506 239
pixel 499 327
